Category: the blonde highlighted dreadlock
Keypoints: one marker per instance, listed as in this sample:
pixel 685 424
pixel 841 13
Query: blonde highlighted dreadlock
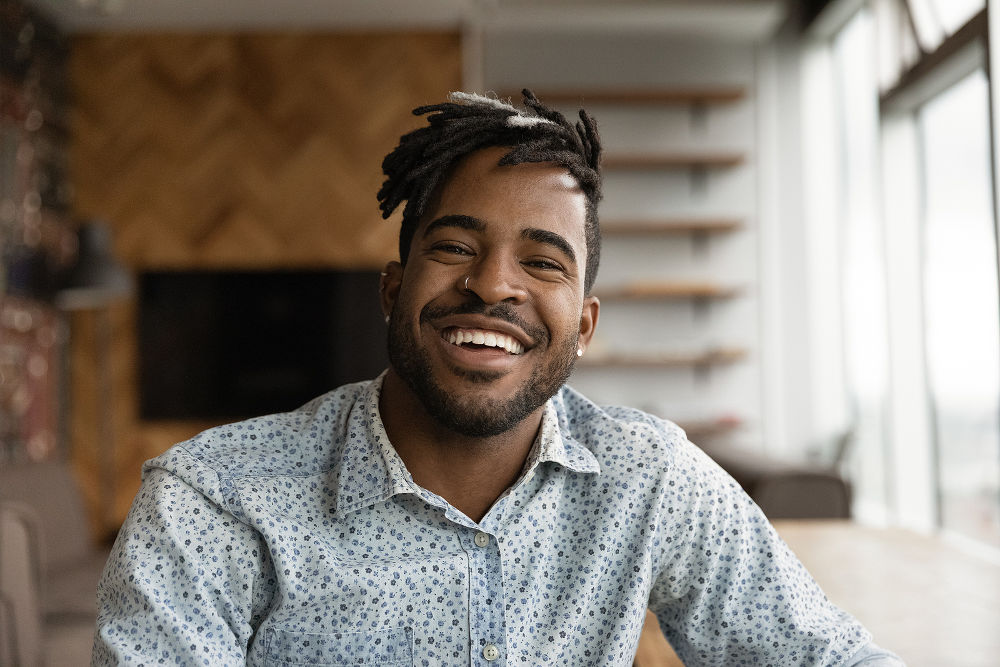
pixel 469 122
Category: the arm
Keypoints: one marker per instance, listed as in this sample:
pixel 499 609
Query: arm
pixel 729 591
pixel 183 579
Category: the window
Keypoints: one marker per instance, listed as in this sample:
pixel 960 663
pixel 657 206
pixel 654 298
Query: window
pixel 960 306
pixel 863 295
pixel 908 120
pixel 935 20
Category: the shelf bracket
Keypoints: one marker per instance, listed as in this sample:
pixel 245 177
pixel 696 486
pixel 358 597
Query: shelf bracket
pixel 700 242
pixel 700 306
pixel 699 116
pixel 699 180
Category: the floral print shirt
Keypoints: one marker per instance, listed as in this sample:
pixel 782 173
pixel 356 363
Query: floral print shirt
pixel 301 539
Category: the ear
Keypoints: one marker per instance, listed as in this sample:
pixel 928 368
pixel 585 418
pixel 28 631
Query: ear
pixel 388 287
pixel 588 320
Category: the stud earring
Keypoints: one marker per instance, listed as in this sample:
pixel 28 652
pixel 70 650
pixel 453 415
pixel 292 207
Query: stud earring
pixel 579 351
pixel 387 319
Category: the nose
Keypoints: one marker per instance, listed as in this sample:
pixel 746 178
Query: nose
pixel 494 279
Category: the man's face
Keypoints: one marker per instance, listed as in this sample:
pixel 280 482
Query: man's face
pixel 484 358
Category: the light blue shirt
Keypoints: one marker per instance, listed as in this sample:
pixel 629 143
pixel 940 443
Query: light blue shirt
pixel 301 538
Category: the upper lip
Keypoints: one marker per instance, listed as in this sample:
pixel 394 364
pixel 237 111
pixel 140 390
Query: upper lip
pixel 486 324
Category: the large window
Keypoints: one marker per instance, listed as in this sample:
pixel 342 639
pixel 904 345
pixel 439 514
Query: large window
pixel 910 113
pixel 962 333
pixel 934 20
pixel 856 95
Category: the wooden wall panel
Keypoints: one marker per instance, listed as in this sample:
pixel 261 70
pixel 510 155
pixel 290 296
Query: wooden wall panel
pixel 233 150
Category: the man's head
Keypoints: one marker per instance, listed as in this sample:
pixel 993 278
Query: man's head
pixel 488 305
pixel 424 157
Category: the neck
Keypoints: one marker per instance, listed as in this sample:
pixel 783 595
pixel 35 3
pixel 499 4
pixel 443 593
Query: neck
pixel 469 472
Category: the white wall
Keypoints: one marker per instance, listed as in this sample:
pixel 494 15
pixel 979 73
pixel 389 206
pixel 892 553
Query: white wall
pixel 560 60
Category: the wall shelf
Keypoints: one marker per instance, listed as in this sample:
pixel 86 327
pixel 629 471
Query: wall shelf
pixel 703 358
pixel 698 429
pixel 670 226
pixel 636 96
pixel 679 160
pixel 669 290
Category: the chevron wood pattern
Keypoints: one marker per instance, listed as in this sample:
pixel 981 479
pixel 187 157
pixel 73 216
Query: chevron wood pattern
pixel 238 151
pixel 247 150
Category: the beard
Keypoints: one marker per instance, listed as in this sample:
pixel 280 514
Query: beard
pixel 470 414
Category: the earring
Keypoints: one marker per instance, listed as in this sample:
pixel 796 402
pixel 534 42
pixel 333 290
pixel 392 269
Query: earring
pixel 387 319
pixel 579 351
pixel 465 285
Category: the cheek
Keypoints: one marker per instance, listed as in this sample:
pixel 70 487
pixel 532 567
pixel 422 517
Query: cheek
pixel 566 321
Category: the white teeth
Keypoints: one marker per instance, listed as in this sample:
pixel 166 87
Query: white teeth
pixel 490 339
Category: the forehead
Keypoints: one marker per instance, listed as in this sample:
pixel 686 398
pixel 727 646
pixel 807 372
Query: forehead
pixel 540 195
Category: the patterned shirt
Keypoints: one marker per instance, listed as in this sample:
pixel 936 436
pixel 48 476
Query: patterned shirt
pixel 301 538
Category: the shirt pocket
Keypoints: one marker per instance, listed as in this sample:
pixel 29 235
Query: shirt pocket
pixel 392 648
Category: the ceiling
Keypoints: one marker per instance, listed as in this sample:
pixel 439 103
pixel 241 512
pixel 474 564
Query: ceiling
pixel 751 19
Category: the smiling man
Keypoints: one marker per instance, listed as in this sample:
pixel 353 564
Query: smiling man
pixel 466 507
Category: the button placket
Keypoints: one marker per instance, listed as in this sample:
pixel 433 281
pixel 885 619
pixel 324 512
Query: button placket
pixel 486 600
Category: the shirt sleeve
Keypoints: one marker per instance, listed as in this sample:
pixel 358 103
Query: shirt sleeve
pixel 874 656
pixel 183 581
pixel 728 591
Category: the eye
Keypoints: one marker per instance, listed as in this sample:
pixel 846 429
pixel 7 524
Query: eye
pixel 449 252
pixel 452 248
pixel 543 264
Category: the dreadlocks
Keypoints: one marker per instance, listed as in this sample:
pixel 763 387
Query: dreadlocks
pixel 469 122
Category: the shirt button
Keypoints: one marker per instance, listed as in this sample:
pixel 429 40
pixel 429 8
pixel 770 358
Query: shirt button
pixel 483 540
pixel 490 651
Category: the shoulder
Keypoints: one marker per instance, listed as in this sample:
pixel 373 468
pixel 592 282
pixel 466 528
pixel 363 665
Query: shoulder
pixel 300 442
pixel 620 436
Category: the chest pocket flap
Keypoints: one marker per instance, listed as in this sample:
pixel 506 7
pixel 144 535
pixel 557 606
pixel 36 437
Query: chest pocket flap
pixel 391 647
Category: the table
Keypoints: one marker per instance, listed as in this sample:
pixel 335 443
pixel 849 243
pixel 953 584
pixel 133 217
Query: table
pixel 922 597
pixel 919 595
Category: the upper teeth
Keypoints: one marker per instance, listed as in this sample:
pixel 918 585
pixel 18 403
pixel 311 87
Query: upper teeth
pixel 488 338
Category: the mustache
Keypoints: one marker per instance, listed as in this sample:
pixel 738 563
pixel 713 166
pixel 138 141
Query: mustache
pixel 501 311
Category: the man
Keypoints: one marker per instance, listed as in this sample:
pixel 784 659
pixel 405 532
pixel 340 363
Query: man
pixel 464 508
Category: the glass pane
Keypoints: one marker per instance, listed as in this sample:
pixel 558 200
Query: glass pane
pixel 897 46
pixel 962 334
pixel 953 14
pixel 863 258
pixel 930 32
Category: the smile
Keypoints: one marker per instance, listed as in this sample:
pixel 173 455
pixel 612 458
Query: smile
pixel 482 338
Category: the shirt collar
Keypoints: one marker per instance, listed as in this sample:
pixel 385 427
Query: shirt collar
pixel 371 470
pixel 556 445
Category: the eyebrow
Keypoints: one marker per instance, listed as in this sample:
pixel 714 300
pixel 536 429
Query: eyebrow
pixel 550 238
pixel 531 234
pixel 460 221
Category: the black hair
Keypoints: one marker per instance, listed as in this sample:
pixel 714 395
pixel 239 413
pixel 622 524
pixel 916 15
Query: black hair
pixel 469 122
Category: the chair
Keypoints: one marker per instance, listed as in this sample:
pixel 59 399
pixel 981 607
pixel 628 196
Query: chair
pixel 787 489
pixel 20 577
pixel 68 562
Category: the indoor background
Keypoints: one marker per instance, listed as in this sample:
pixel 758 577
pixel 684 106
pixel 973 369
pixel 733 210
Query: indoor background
pixel 799 264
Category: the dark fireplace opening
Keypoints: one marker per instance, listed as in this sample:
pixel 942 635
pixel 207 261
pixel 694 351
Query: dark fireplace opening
pixel 231 344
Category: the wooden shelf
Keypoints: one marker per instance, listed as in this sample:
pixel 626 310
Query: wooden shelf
pixel 668 290
pixel 707 428
pixel 699 160
pixel 722 355
pixel 635 96
pixel 670 226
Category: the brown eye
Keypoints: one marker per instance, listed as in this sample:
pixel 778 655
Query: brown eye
pixel 545 264
pixel 452 248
